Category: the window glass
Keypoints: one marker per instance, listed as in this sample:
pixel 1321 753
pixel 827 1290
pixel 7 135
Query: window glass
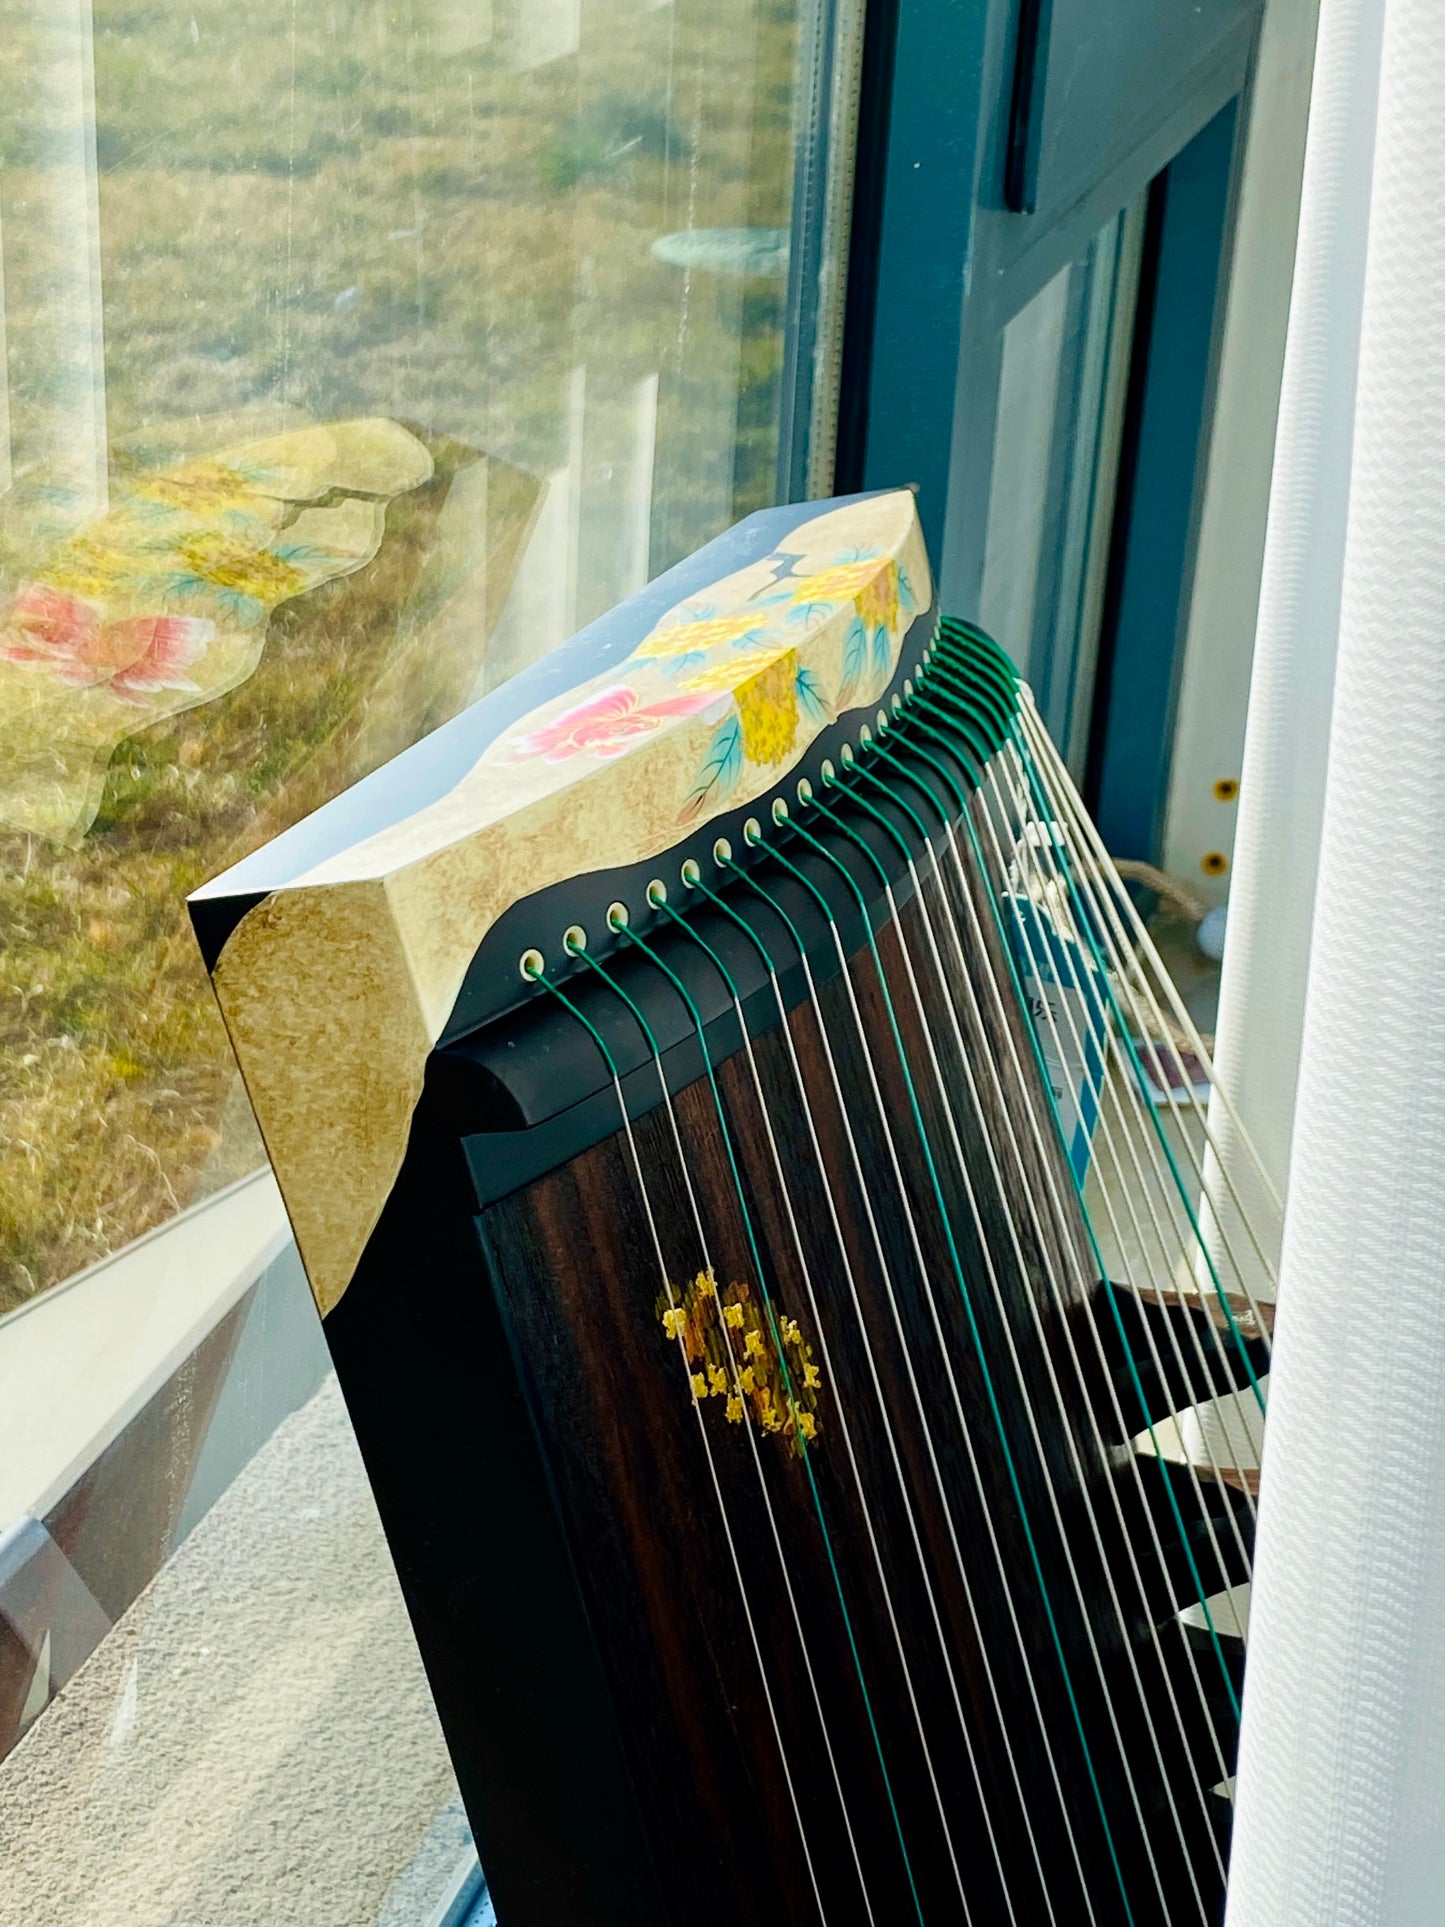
pixel 1059 415
pixel 355 354
pixel 352 355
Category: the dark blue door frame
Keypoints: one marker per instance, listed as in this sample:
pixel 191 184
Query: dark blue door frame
pixel 940 265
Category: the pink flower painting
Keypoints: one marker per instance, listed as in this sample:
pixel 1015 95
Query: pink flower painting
pixel 605 724
pixel 66 636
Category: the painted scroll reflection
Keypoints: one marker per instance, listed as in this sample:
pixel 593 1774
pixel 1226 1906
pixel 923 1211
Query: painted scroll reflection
pixel 270 608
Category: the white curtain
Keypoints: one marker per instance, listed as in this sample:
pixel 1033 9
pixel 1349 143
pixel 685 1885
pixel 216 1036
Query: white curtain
pixel 1340 1814
pixel 1276 849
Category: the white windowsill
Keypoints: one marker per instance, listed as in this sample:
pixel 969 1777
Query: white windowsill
pixel 78 1362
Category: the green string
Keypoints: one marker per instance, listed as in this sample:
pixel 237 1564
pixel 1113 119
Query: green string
pixel 804 1450
pixel 964 692
pixel 770 965
pixel 915 722
pixel 1085 924
pixel 920 784
pixel 968 1308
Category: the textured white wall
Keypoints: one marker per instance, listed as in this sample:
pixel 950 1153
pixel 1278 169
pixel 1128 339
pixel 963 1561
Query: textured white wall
pixel 1341 1814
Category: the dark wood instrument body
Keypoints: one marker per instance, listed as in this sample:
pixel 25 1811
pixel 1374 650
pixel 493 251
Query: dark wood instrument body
pixel 696 1671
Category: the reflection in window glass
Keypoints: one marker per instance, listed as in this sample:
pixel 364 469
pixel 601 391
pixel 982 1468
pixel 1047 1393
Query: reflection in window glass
pixel 1023 460
pixel 355 354
pixel 1063 381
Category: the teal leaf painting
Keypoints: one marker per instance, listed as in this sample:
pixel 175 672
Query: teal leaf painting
pixel 721 769
pixel 907 601
pixel 881 648
pixel 855 661
pixel 810 696
pixel 677 665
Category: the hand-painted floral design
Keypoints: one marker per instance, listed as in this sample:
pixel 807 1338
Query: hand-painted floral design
pixel 745 1354
pixel 686 643
pixel 764 685
pixel 708 649
pixel 721 770
pixel 605 724
pixel 878 589
pixel 65 636
pixel 769 711
pixel 246 575
pixel 772 694
pixel 724 677
pixel 865 654
pixel 163 602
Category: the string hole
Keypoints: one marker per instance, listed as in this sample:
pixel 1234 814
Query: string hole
pixel 691 874
pixel 574 939
pixel 882 721
pixel 907 688
pixel 780 810
pixel 617 916
pixel 865 735
pixel 657 893
pixel 805 790
pixel 531 964
pixel 845 755
pixel 828 772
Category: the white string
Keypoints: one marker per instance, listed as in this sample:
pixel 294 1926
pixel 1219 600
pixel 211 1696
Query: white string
pixel 1064 786
pixel 1128 974
pixel 1044 1244
pixel 956 1400
pixel 681 1343
pixel 757 1466
pixel 1105 1137
pixel 1106 892
pixel 1046 1143
pixel 885 1270
pixel 1106 1083
pixel 1067 1548
pixel 1133 1460
pixel 835 1383
pixel 1084 1484
pixel 1191 1470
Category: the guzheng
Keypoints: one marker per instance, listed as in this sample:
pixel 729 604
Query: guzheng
pixel 756 1176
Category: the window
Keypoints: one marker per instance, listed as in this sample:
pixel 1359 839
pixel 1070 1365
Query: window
pixel 1062 386
pixel 354 354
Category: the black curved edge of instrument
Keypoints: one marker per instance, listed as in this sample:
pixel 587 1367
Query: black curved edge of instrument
pixel 435 1341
